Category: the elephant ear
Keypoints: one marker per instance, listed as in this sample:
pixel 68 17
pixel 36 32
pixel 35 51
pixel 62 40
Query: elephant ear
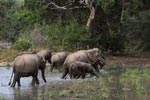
pixel 90 56
pixel 43 60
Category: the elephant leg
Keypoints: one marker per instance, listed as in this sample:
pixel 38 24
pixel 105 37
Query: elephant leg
pixel 19 81
pixel 52 66
pixel 74 76
pixel 37 80
pixel 34 78
pixel 78 76
pixel 42 71
pixel 83 75
pixel 15 79
pixel 33 81
pixel 70 76
pixel 65 72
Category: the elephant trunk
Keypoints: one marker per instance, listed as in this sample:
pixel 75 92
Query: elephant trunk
pixel 42 71
pixel 49 60
pixel 102 62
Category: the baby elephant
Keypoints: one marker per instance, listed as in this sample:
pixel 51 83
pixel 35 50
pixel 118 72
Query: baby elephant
pixel 79 69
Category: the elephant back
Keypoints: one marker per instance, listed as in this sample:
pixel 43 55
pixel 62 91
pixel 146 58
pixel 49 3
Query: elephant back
pixel 77 56
pixel 45 54
pixel 26 63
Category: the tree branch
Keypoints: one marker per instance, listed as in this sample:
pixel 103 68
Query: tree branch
pixel 57 7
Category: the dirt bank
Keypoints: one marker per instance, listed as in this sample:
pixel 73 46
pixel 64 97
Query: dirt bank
pixel 144 59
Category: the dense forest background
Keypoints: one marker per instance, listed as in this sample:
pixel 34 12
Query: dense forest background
pixel 118 26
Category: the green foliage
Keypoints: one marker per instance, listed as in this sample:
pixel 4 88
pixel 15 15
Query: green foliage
pixel 55 35
pixel 106 5
pixel 75 36
pixel 118 25
pixel 7 31
pixel 115 42
pixel 137 29
pixel 22 45
pixel 64 92
pixel 51 94
pixel 137 78
pixel 9 55
pixel 70 37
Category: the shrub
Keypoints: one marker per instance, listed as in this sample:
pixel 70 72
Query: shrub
pixel 75 37
pixel 21 45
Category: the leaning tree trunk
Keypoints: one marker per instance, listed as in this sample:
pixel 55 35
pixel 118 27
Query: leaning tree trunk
pixel 92 6
pixel 90 19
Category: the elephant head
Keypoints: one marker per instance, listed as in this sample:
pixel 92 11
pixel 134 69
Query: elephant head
pixel 96 57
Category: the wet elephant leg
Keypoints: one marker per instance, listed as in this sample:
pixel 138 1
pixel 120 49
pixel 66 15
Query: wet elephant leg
pixel 18 81
pixel 43 76
pixel 70 76
pixel 65 72
pixel 78 76
pixel 15 80
pixel 83 75
pixel 52 66
pixel 33 81
pixel 34 78
pixel 37 80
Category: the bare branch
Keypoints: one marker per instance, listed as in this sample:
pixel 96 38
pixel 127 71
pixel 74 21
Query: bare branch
pixel 57 7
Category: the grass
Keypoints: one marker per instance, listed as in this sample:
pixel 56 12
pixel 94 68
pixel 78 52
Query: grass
pixel 51 94
pixel 64 92
pixel 2 98
pixel 78 95
pixel 9 55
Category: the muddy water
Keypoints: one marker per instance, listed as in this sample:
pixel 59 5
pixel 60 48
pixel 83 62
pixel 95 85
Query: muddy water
pixel 120 82
pixel 26 91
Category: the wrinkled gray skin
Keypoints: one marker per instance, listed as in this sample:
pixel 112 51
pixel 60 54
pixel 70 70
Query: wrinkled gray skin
pixel 92 56
pixel 27 65
pixel 58 59
pixel 79 69
pixel 46 54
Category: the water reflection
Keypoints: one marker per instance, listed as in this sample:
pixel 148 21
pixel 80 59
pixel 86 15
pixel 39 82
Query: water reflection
pixel 25 94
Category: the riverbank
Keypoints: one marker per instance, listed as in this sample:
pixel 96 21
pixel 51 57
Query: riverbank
pixel 143 59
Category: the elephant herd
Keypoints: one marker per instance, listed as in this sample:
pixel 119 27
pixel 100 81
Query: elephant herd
pixel 76 64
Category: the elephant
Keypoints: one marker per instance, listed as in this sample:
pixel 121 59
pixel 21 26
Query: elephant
pixel 58 59
pixel 78 69
pixel 27 65
pixel 92 56
pixel 46 54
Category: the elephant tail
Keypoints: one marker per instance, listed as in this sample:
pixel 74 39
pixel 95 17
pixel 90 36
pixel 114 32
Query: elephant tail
pixel 11 76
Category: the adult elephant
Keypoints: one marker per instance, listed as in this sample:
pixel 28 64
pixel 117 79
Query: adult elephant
pixel 58 59
pixel 46 54
pixel 93 56
pixel 27 65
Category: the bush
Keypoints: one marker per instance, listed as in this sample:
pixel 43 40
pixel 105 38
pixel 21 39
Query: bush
pixel 75 37
pixel 21 45
pixel 138 31
pixel 72 36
